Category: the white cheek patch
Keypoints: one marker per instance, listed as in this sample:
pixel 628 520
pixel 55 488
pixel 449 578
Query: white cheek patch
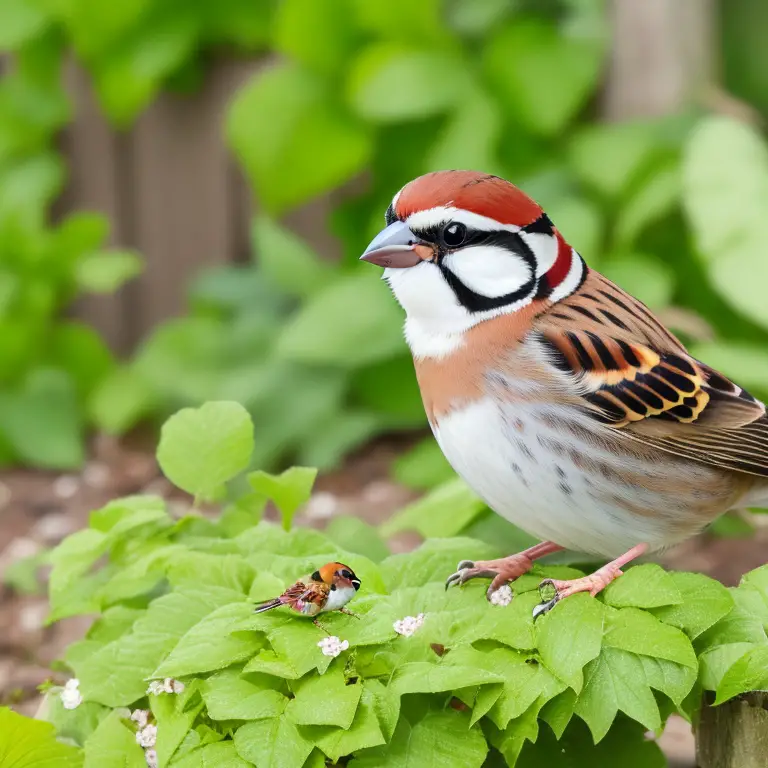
pixel 544 248
pixel 489 270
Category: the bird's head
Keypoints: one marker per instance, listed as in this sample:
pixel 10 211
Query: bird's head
pixel 461 247
pixel 337 576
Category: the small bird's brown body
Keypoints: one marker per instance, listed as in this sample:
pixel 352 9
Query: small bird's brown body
pixel 560 399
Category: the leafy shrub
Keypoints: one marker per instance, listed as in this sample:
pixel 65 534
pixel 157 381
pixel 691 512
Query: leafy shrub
pixel 475 685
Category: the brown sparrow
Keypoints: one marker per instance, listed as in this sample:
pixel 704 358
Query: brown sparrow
pixel 559 398
pixel 329 588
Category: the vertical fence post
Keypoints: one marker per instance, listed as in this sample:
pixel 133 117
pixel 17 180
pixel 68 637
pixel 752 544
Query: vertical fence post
pixel 735 734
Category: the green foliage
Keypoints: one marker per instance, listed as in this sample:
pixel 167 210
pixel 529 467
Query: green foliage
pixel 25 743
pixel 174 599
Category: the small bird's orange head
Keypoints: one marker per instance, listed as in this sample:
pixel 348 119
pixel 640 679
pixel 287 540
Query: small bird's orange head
pixel 461 247
pixel 337 575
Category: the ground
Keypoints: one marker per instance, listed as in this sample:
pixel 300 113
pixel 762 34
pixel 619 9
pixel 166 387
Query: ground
pixel 38 509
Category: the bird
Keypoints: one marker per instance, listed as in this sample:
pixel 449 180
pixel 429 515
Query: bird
pixel 560 399
pixel 329 588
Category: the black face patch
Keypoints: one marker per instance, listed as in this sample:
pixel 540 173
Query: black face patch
pixel 390 216
pixel 316 576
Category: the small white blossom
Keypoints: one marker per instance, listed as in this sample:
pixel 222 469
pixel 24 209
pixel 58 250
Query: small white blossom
pixel 409 625
pixel 150 755
pixel 147 736
pixel 140 717
pixel 155 688
pixel 333 646
pixel 70 696
pixel 502 596
pixel 169 685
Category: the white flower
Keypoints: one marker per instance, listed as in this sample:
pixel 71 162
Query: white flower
pixel 65 487
pixel 140 716
pixel 150 755
pixel 333 646
pixel 147 736
pixel 70 696
pixel 169 685
pixel 502 596
pixel 409 625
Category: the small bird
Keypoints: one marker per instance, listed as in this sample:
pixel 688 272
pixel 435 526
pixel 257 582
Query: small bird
pixel 561 400
pixel 329 588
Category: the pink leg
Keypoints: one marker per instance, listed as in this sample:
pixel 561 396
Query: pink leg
pixel 504 570
pixel 594 583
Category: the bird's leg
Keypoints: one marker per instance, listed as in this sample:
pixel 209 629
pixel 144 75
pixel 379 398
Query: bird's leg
pixel 594 583
pixel 321 627
pixel 349 613
pixel 503 570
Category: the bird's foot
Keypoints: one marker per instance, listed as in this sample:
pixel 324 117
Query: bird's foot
pixel 321 627
pixel 349 613
pixel 594 583
pixel 500 571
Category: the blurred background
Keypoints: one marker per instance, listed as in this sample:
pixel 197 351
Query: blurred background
pixel 186 186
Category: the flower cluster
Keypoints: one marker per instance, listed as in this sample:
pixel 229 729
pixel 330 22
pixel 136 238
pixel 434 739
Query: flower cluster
pixel 169 685
pixel 501 596
pixel 146 735
pixel 409 625
pixel 333 646
pixel 71 696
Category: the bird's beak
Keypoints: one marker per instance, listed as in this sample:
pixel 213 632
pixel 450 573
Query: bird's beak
pixel 356 584
pixel 394 247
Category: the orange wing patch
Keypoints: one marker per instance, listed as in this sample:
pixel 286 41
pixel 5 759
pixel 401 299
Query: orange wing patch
pixel 627 382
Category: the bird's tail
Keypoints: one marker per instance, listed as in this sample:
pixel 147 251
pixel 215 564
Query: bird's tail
pixel 268 605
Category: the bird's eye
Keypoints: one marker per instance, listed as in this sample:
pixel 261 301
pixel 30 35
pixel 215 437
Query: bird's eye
pixel 347 574
pixel 454 234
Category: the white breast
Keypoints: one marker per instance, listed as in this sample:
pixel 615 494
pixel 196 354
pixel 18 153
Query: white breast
pixel 512 459
pixel 339 597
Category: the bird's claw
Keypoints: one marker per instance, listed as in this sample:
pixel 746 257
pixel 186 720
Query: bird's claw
pixel 465 571
pixel 546 604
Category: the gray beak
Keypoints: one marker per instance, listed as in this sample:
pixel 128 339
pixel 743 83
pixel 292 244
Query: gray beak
pixel 393 247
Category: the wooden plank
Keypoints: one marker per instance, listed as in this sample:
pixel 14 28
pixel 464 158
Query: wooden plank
pixel 663 56
pixel 734 734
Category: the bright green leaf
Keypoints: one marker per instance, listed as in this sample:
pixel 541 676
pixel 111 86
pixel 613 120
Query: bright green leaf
pixel 288 490
pixel 113 743
pixel 272 743
pixel 643 586
pixel 748 673
pixel 327 700
pixel 27 743
pixel 106 271
pixel 231 696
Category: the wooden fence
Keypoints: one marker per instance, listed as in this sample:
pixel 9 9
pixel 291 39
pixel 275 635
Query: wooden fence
pixel 171 189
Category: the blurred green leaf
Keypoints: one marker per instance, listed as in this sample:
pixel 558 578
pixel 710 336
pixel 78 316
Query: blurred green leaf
pixel 19 21
pixel 580 223
pixel 725 194
pixel 288 490
pixel 289 263
pixel 644 277
pixel 402 20
pixel 543 78
pixel 106 271
pixel 81 352
pixel 350 323
pixel 746 364
pixel 43 422
pixel 478 16
pixel 202 448
pixel 390 389
pixel 357 536
pixel 335 437
pixel 423 467
pixel 120 401
pixel 292 139
pixel 388 83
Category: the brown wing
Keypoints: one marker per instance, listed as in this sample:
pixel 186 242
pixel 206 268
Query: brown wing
pixel 309 592
pixel 636 376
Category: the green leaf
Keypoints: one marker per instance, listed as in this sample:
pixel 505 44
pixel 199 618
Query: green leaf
pixel 288 490
pixel 743 362
pixel 113 743
pixel 106 271
pixel 116 674
pixel 569 636
pixel 209 645
pixel 120 401
pixel 429 82
pixel 580 223
pixel 42 422
pixel 643 586
pixel 20 20
pixel 231 696
pixel 202 448
pixel 174 715
pixel 748 673
pixel 634 630
pixel 616 681
pixel 543 77
pixel 221 755
pixel 308 146
pixel 425 677
pixel 357 536
pixel 272 743
pixel 350 323
pixel 422 467
pixel 326 700
pixel 725 194
pixel 289 263
pixel 704 602
pixel 715 662
pixel 558 712
pixel 27 743
pixel 440 739
pixel 428 515
pixel 80 351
